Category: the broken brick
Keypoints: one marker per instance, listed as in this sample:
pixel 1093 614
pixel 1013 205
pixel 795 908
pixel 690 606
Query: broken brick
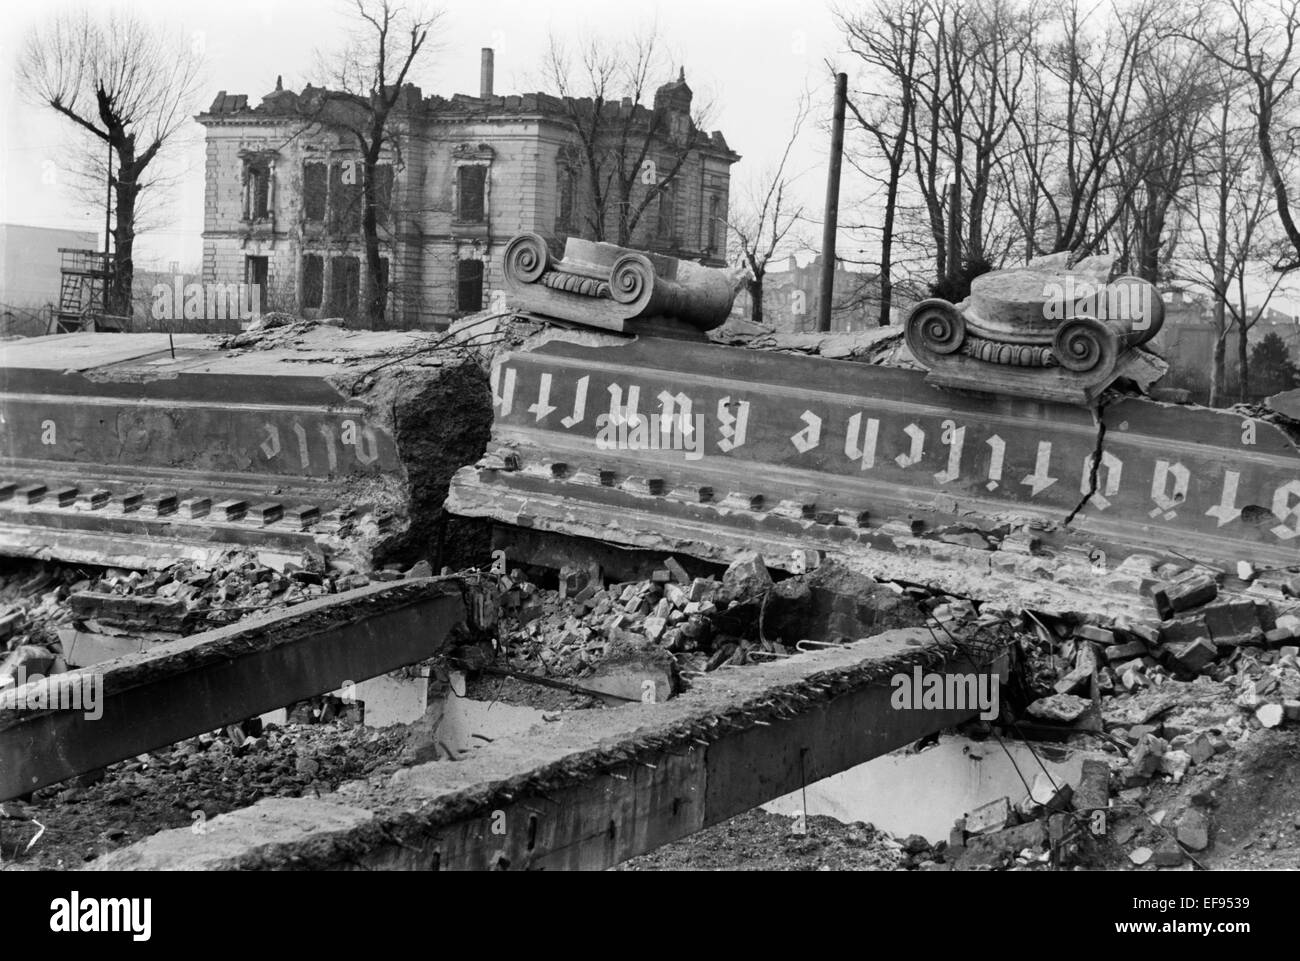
pixel 747 576
pixel 702 589
pixel 1189 590
pixel 1189 658
pixel 1125 652
pixel 1085 666
pixel 1233 622
pixel 1182 629
pixel 1099 635
pixel 149 613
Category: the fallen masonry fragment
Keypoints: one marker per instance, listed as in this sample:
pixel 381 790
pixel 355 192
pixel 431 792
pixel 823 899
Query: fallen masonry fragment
pixel 598 787
pixel 786 454
pixel 615 288
pixel 1027 331
pixel 707 623
pixel 182 688
pixel 139 450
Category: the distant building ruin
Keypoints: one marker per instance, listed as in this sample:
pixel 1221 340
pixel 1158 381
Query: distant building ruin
pixel 283 203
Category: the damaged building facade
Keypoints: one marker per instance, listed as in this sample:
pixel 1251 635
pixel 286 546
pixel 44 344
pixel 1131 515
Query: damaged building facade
pixel 460 177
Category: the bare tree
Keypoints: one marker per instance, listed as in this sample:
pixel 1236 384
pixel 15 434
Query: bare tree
pixel 887 43
pixel 1260 47
pixel 999 35
pixel 1093 116
pixel 1178 86
pixel 128 85
pixel 943 81
pixel 365 96
pixel 766 216
pixel 625 144
pixel 1226 210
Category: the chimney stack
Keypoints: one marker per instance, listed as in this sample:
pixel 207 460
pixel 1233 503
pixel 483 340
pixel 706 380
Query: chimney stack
pixel 485 74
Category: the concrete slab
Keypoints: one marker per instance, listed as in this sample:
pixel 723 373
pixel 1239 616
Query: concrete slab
pixel 278 824
pixel 602 786
pixel 182 688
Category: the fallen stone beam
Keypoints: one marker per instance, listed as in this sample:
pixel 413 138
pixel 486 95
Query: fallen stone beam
pixel 144 613
pixel 142 450
pixel 598 786
pixel 182 688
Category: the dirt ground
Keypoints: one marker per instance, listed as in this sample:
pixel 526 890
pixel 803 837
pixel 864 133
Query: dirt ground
pixel 1258 807
pixel 759 841
pixel 65 825
pixel 1251 796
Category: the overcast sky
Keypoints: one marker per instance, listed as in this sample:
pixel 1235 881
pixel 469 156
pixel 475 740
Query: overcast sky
pixel 753 59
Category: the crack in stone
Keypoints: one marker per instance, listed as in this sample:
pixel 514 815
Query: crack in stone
pixel 1096 463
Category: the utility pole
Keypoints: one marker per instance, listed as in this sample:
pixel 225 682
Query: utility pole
pixel 954 228
pixel 831 222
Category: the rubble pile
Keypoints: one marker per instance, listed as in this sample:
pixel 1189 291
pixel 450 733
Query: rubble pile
pixel 703 622
pixel 1245 642
pixel 1167 699
pixel 566 631
pixel 1161 703
pixel 188 784
pixel 53 617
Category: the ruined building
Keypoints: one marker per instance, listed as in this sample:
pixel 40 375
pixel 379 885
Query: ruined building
pixel 463 175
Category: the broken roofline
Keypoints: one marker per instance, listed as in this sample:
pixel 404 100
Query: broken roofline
pixel 280 106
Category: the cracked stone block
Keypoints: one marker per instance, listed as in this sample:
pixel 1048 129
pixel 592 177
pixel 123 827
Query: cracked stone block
pixel 1190 658
pixel 1189 590
pixel 1125 652
pixel 1233 622
pixel 1099 635
pixel 747 576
